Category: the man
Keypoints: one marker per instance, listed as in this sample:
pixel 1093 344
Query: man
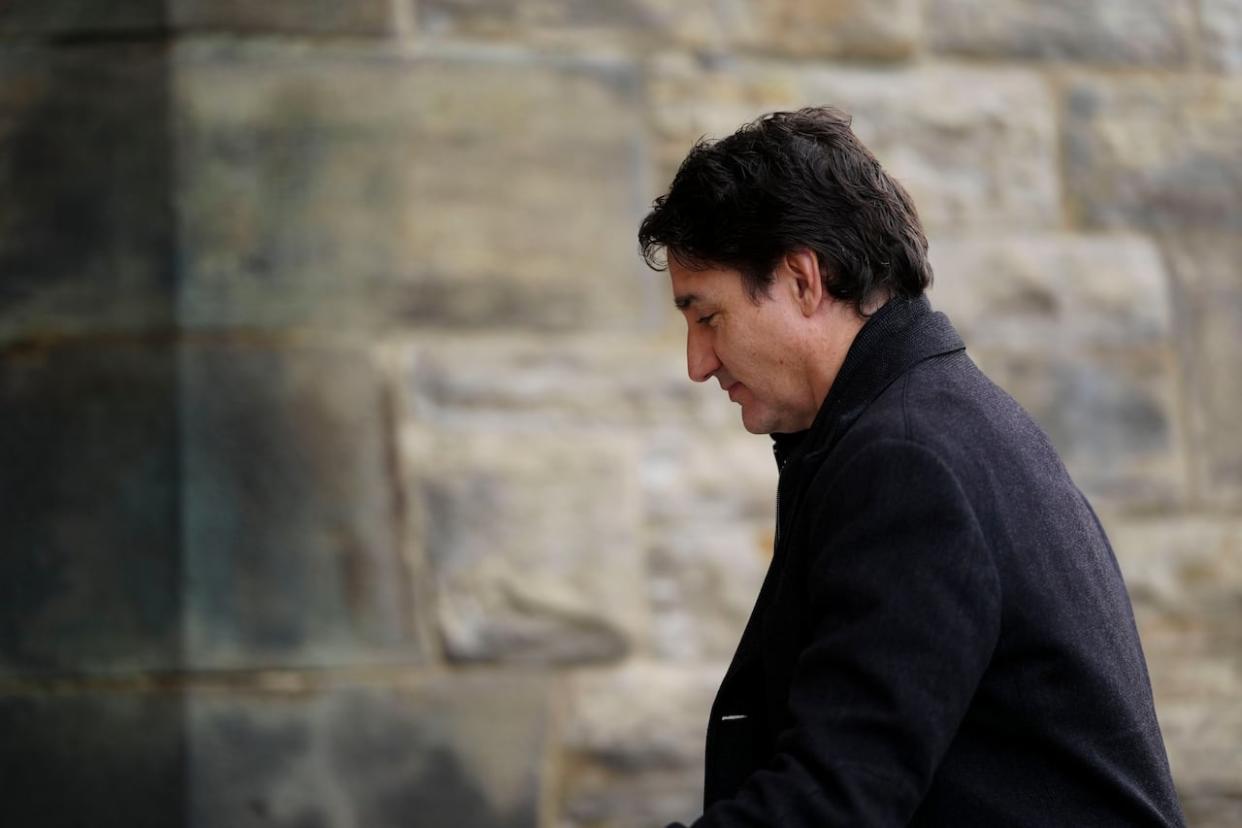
pixel 943 637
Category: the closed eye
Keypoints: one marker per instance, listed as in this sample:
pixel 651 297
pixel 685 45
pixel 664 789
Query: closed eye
pixel 704 320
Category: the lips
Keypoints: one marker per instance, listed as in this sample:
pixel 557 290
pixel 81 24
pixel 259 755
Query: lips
pixel 735 386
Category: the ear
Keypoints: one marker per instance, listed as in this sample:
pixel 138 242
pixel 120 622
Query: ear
pixel 806 281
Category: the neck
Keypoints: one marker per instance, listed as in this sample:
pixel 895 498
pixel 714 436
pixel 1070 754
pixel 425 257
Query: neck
pixel 836 335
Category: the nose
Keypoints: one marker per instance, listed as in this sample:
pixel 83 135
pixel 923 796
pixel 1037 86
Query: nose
pixel 701 359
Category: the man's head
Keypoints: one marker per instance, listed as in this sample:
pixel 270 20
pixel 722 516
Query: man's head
pixel 778 239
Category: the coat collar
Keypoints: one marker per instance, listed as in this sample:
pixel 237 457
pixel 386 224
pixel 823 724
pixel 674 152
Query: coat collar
pixel 896 337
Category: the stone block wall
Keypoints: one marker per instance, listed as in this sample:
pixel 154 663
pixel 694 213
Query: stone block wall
pixel 349 471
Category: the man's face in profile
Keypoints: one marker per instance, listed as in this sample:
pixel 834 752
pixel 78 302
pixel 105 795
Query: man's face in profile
pixel 750 347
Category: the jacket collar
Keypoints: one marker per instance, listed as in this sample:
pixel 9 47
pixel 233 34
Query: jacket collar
pixel 899 335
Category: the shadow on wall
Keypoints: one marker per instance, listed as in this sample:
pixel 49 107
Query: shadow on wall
pixel 90 578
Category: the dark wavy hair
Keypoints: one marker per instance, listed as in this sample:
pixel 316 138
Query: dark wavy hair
pixel 786 181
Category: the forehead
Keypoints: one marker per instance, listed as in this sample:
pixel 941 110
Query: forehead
pixel 694 286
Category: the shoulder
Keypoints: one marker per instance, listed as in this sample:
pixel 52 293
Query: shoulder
pixel 943 434
pixel 947 406
pixel 942 422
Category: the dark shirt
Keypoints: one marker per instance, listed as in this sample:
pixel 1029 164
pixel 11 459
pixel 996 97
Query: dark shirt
pixel 943 637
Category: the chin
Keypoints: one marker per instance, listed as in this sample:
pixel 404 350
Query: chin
pixel 758 424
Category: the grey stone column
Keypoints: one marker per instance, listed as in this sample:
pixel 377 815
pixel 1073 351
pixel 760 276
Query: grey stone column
pixel 208 610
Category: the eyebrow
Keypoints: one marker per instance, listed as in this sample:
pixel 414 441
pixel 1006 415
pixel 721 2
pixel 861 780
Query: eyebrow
pixel 685 300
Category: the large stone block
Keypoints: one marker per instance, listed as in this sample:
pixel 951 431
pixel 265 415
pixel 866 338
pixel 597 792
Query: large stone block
pixel 1051 293
pixel 706 488
pixel 887 29
pixel 710 506
pixel 642 715
pixel 1220 23
pixel 711 98
pixel 362 188
pixel 293 554
pixel 533 542
pixel 976 149
pixel 877 30
pixel 556 383
pixel 634 739
pixel 566 22
pixel 108 760
pixel 243 492
pixel 1155 153
pixel 451 751
pixel 721 474
pixel 1127 32
pixel 90 575
pixel 703 579
pixel 1208 271
pixel 86 228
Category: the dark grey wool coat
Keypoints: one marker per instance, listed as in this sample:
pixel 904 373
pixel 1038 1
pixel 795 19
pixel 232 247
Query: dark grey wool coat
pixel 943 637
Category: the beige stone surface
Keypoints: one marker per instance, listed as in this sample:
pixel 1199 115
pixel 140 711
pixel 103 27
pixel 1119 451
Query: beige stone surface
pixel 359 187
pixel 691 98
pixel 220 201
pixel 1110 32
pixel 1202 744
pixel 867 29
pixel 582 382
pixel 633 739
pixel 1047 293
pixel 706 487
pixel 643 713
pixel 636 800
pixel 710 507
pixel 533 542
pixel 1154 152
pixel 1184 575
pixel 637 24
pixel 706 475
pixel 875 30
pixel 977 149
pixel 703 579
pixel 1212 809
pixel 1208 271
pixel 1221 24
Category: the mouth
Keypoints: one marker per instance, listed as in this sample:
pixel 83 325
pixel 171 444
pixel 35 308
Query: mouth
pixel 735 386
